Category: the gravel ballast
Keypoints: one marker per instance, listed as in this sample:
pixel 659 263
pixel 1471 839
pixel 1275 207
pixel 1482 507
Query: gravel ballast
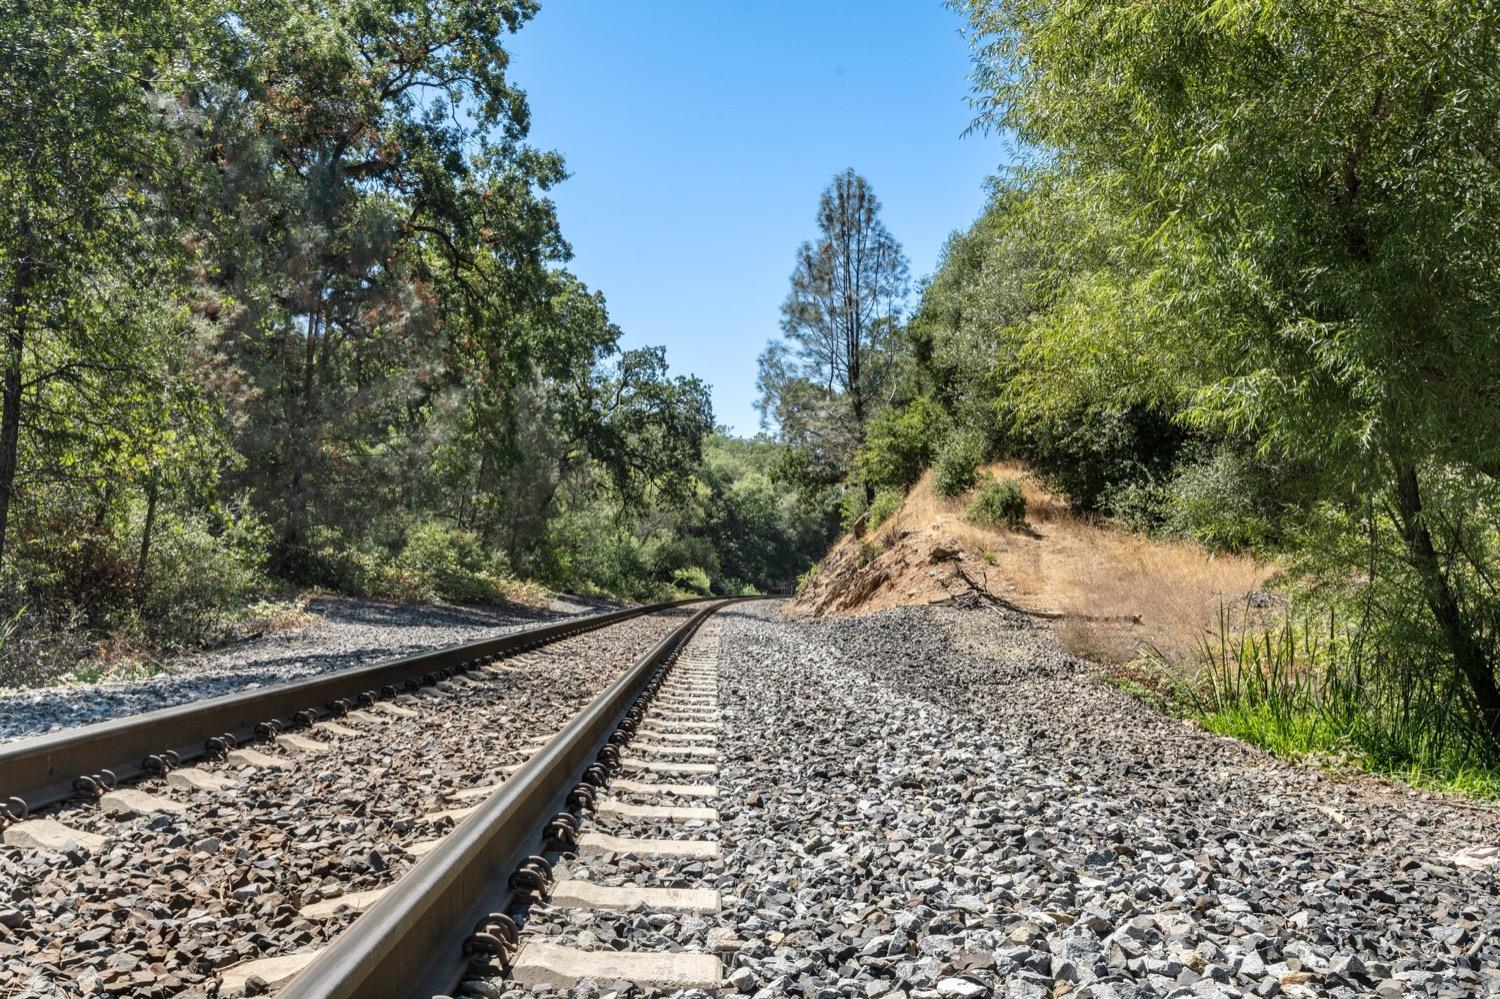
pixel 346 632
pixel 190 883
pixel 941 804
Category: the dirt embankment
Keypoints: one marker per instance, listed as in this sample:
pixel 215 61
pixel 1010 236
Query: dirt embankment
pixel 1110 593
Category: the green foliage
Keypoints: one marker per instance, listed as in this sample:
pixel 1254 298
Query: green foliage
pixel 693 579
pixel 202 572
pixel 900 443
pixel 957 465
pixel 441 561
pixel 334 562
pixel 1322 689
pixel 998 505
pixel 1089 453
pixel 853 507
pixel 1273 248
pixel 1218 503
pixel 886 503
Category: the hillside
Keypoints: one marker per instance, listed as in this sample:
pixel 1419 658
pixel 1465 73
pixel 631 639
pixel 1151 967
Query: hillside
pixel 1109 592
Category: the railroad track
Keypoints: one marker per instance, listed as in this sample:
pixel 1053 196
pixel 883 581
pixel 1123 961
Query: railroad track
pixel 148 876
pixel 459 915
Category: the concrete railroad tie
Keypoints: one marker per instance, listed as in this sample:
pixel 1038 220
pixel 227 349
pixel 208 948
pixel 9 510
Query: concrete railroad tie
pixel 50 834
pixel 638 765
pixel 691 849
pixel 549 964
pixel 624 785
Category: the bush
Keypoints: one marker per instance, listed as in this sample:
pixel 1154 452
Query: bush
pixel 900 443
pixel 887 502
pixel 693 579
pixel 957 464
pixel 1088 454
pixel 87 571
pixel 202 574
pixel 852 507
pixel 332 562
pixel 40 645
pixel 1137 506
pixel 441 561
pixel 1216 502
pixel 998 505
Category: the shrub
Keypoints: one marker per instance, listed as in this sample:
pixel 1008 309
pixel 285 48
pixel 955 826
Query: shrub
pixel 447 562
pixel 87 570
pixel 1089 453
pixel 998 505
pixel 957 465
pixel 887 502
pixel 202 573
pixel 1216 502
pixel 693 579
pixel 899 444
pixel 851 507
pixel 37 646
pixel 332 562
pixel 1137 506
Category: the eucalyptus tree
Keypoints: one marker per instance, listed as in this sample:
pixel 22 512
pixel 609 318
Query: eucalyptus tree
pixel 1286 219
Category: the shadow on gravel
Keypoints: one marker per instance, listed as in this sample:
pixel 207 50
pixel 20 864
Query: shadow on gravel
pixel 339 611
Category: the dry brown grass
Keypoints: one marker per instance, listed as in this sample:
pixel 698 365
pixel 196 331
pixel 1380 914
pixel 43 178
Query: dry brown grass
pixel 1117 592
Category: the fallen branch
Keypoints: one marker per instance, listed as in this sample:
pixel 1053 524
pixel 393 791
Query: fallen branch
pixel 984 591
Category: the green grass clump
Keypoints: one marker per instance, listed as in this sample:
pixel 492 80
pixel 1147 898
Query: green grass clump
pixel 998 506
pixel 1322 691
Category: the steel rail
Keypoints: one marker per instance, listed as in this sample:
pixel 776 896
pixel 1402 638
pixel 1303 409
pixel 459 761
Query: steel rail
pixel 409 942
pixel 43 770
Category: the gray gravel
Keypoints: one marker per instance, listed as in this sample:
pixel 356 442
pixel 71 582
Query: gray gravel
pixel 347 633
pixel 940 804
pixel 173 897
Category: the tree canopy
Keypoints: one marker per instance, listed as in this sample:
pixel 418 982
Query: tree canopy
pixel 1274 226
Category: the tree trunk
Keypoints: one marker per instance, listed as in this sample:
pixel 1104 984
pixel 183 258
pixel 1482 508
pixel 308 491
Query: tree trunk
pixel 10 402
pixel 299 446
pixel 146 529
pixel 1457 634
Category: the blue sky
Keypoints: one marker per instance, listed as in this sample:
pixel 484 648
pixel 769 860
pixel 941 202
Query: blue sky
pixel 700 133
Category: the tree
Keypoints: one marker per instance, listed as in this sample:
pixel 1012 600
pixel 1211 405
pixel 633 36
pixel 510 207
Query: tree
pixel 1296 213
pixel 83 137
pixel 848 289
pixel 381 238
